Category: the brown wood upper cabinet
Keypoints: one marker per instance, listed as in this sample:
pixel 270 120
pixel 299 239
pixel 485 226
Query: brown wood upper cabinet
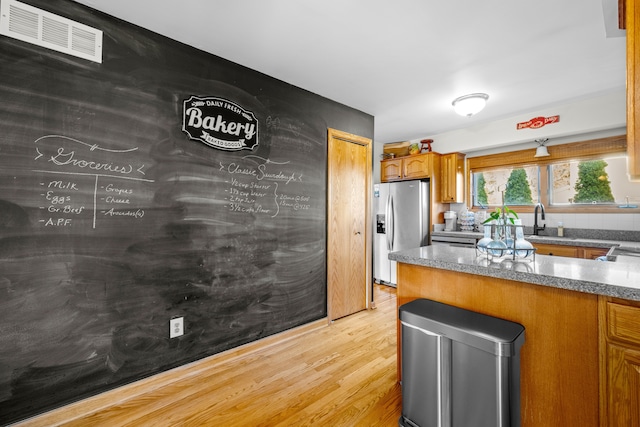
pixel 452 178
pixel 632 12
pixel 417 166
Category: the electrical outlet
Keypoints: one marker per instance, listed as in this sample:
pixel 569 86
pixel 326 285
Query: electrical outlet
pixel 176 327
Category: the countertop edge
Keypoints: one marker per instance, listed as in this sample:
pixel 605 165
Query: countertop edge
pixel 551 240
pixel 602 275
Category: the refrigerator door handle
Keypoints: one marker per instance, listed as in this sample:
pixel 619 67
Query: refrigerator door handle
pixel 390 223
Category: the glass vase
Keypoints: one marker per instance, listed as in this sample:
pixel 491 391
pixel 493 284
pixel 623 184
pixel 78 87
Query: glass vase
pixel 508 239
pixel 522 247
pixel 484 242
pixel 497 247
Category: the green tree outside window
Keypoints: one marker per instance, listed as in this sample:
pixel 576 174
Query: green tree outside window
pixel 593 185
pixel 482 198
pixel 518 191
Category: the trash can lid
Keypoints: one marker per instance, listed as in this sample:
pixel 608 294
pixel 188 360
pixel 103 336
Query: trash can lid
pixel 491 334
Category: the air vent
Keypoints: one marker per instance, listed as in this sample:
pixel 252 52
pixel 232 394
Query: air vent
pixel 36 26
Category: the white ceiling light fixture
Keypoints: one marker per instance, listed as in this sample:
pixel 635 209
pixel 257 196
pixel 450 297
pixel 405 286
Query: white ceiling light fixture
pixel 541 151
pixel 471 104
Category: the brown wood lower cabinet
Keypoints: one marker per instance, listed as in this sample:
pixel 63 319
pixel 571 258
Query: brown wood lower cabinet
pixel 556 250
pixel 559 359
pixel 569 251
pixel 620 362
pixel 580 363
pixel 593 253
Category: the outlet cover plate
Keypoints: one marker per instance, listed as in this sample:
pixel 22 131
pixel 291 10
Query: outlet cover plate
pixel 176 327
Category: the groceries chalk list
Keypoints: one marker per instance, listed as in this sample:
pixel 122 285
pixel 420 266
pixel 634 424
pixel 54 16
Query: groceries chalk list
pixel 79 186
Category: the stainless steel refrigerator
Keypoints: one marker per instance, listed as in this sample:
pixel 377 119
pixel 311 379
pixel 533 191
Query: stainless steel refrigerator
pixel 401 222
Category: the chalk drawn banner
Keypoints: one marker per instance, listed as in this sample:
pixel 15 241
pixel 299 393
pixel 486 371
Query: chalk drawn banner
pixel 219 123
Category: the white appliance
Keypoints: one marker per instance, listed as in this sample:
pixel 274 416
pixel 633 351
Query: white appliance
pixel 450 218
pixel 401 222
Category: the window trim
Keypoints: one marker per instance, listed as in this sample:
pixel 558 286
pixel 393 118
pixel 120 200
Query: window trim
pixel 583 150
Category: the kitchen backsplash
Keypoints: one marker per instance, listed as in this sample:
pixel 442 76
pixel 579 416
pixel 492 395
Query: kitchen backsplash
pixel 622 222
pixel 620 227
pixel 623 226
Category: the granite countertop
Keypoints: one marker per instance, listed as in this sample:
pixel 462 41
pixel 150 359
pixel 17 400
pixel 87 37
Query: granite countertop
pixel 619 279
pixel 605 239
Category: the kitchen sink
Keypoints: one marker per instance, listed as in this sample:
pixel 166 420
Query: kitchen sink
pixel 624 250
pixel 623 253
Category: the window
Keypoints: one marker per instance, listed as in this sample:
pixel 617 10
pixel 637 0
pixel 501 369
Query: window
pixel 586 176
pixel 592 182
pixel 518 185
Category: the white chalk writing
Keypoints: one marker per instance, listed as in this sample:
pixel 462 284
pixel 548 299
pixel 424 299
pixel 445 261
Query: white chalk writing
pixel 254 188
pixel 74 195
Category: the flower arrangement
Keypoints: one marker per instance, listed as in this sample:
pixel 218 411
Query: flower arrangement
pixel 504 213
pixel 502 243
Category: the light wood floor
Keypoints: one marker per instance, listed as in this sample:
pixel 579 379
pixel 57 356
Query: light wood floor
pixel 340 375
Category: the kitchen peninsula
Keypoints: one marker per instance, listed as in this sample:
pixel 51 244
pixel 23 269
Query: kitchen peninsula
pixel 581 355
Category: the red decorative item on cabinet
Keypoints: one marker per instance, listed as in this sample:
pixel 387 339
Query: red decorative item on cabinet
pixel 426 142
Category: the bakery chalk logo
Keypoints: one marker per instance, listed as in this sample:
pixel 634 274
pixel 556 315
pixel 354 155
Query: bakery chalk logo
pixel 219 123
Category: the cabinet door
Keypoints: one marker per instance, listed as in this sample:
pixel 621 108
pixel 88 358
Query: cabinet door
pixel 623 381
pixel 391 170
pixel 417 166
pixel 557 250
pixel 593 253
pixel 632 11
pixel 446 191
pixel 452 178
pixel 621 400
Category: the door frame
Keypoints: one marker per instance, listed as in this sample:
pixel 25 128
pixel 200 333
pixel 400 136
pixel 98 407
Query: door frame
pixel 334 134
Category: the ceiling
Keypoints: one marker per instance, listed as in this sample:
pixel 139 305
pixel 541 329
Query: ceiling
pixel 404 61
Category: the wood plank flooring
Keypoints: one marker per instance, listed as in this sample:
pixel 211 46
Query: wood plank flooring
pixel 340 375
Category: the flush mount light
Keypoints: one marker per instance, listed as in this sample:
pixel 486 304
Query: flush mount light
pixel 541 151
pixel 471 104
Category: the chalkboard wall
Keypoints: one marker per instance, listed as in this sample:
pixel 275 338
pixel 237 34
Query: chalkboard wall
pixel 114 219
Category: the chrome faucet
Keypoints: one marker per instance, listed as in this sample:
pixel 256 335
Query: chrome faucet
pixel 535 218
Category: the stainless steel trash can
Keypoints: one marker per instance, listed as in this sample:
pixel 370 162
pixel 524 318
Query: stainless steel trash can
pixel 459 368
